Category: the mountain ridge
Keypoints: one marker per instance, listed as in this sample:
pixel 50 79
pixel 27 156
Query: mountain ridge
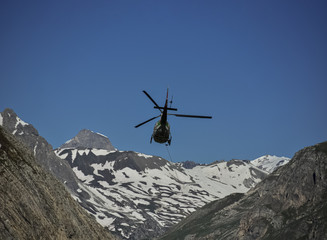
pixel 41 149
pixel 290 203
pixel 134 195
pixel 35 205
pixel 152 190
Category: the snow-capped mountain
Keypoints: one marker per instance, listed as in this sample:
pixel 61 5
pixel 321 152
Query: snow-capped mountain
pixel 139 196
pixel 89 139
pixel 269 163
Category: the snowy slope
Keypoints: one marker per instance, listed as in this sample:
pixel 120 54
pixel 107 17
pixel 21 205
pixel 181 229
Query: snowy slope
pixel 269 163
pixel 140 196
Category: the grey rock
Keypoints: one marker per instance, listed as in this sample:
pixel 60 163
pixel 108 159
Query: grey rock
pixel 88 139
pixel 41 149
pixel 34 204
pixel 189 164
pixel 45 156
pixel 291 203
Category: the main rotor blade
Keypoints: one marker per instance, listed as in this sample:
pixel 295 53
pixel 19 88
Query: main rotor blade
pixel 146 121
pixel 191 116
pixel 152 100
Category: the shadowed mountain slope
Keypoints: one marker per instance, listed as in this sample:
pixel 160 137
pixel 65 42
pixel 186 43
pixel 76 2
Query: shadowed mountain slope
pixel 291 203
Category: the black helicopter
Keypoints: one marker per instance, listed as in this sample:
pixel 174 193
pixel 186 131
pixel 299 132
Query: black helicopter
pixel 161 131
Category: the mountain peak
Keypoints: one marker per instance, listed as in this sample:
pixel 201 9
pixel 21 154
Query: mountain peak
pixel 89 139
pixel 15 125
pixel 270 162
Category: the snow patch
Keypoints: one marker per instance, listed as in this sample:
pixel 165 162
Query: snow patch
pixel 35 148
pixel 138 216
pixel 76 198
pixel 1 119
pixel 270 162
pixel 104 184
pixel 74 153
pixel 104 221
pixel 101 152
pixel 144 155
pixel 63 156
pixel 20 121
pixel 82 152
pixel 84 178
pixel 69 141
pixel 101 134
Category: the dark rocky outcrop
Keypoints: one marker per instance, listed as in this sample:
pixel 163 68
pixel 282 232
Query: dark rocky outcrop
pixel 291 203
pixel 189 164
pixel 34 204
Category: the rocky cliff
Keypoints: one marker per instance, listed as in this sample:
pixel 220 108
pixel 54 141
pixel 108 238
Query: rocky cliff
pixel 41 149
pixel 33 204
pixel 291 203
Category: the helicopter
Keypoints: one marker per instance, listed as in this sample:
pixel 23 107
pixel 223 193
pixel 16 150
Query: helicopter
pixel 161 131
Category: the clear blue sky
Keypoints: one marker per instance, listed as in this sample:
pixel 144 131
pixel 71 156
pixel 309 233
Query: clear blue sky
pixel 258 67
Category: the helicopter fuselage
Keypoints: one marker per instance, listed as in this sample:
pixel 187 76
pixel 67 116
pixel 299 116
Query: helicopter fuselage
pixel 161 132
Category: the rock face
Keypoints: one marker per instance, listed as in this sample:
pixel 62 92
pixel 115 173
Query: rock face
pixel 34 205
pixel 189 164
pixel 88 139
pixel 41 149
pixel 291 203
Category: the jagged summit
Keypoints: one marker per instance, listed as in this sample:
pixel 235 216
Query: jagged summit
pixel 14 124
pixel 89 139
